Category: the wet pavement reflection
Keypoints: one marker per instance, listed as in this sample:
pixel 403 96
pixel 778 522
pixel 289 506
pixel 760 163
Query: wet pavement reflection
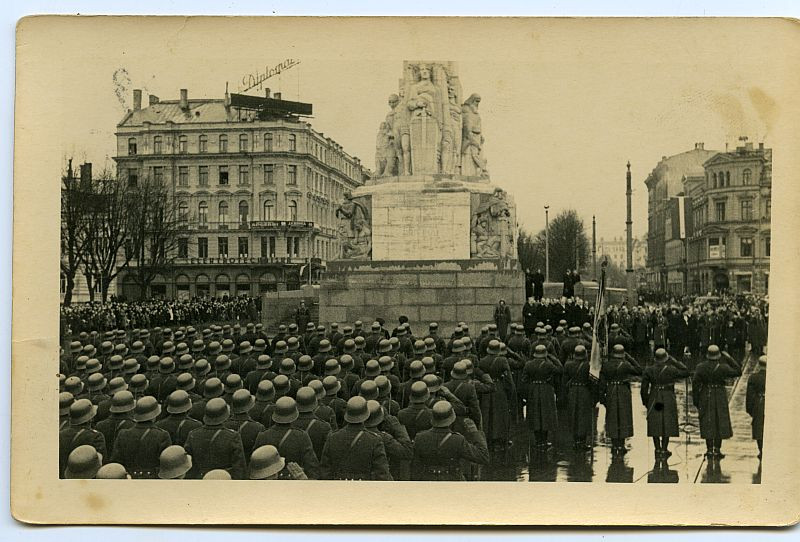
pixel 687 464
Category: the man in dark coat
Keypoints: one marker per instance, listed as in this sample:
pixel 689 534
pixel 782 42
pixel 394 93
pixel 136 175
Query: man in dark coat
pixel 140 447
pixel 353 453
pixel 293 443
pixel 502 319
pixel 658 396
pixel 214 446
pixel 538 285
pixel 754 402
pixel 711 399
pixel 439 451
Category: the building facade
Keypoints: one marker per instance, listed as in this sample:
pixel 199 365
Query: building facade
pixel 665 182
pixel 254 185
pixel 616 251
pixel 730 242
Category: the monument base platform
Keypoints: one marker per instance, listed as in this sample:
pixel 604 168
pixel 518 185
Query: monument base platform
pixel 443 291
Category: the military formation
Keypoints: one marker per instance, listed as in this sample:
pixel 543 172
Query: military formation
pixel 362 402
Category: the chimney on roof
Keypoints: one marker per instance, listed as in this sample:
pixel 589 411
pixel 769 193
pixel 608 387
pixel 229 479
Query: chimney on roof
pixel 86 172
pixel 227 96
pixel 761 147
pixel 277 95
pixel 184 99
pixel 137 99
pixel 153 99
pixel 266 92
pixel 699 146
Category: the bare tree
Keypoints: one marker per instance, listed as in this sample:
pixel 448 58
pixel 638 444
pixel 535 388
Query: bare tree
pixel 104 232
pixel 153 228
pixel 73 215
pixel 568 245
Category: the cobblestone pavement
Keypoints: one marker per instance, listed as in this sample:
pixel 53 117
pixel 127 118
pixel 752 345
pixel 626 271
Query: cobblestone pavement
pixel 686 465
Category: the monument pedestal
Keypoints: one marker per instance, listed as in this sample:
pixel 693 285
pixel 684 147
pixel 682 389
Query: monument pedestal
pixel 436 243
pixel 445 291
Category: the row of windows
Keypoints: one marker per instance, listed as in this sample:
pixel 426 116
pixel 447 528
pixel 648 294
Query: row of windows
pixel 268 247
pixel 223 175
pixel 722 179
pixel 202 144
pixel 268 211
pixel 717 247
pixel 720 211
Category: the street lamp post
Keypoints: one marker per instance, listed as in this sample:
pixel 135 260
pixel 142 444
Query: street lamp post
pixel 546 243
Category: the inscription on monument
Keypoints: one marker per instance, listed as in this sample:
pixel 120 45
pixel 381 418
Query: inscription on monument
pixel 420 226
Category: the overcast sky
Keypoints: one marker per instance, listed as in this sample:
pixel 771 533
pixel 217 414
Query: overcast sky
pixel 565 103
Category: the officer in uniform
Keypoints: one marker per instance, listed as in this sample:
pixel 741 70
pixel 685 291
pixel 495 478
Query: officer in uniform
pixel 754 402
pixel 323 412
pixel 353 453
pixel 581 397
pixel 214 446
pixel 316 428
pixel 262 371
pixel 242 404
pixel 416 417
pixel 658 396
pixel 120 417
pixel 332 399
pixel 396 442
pixel 461 387
pixel 139 447
pixel 178 423
pixel 294 444
pixel 79 432
pixel 439 451
pixel 711 399
pixel 264 404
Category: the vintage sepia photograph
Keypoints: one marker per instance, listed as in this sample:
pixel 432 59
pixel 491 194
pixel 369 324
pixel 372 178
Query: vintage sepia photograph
pixel 421 258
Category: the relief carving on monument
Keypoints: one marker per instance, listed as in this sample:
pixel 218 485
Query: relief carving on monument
pixel 355 229
pixel 491 231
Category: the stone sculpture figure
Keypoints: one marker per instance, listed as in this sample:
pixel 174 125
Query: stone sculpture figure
pixel 385 156
pixel 401 130
pixel 491 224
pixel 451 139
pixel 355 230
pixel 424 103
pixel 472 161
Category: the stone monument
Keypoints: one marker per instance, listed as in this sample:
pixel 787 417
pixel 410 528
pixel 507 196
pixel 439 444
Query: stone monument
pixel 430 236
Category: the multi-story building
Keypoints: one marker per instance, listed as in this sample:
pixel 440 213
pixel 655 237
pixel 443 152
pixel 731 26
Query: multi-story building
pixel 254 185
pixel 616 251
pixel 664 183
pixel 729 243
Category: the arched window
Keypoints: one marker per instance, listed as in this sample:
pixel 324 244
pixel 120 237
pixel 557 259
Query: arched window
pixel 223 212
pixel 244 143
pixel 292 142
pixel 223 143
pixel 202 212
pixel 202 143
pixel 269 210
pixel 268 142
pixel 746 175
pixel 244 210
pixel 183 212
pixel 183 144
pixel 727 178
pixel 292 210
pixel 132 145
pixel 157 148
